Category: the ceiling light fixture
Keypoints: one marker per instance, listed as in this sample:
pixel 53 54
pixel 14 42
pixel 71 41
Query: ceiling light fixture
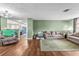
pixel 4 13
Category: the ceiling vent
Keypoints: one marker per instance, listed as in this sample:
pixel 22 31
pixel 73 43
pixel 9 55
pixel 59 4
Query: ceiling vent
pixel 66 10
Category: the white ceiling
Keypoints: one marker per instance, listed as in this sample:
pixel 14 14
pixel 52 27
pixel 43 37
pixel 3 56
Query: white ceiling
pixel 42 11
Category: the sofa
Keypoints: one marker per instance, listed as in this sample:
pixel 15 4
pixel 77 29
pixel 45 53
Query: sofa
pixel 56 35
pixel 48 35
pixel 8 36
pixel 8 40
pixel 74 38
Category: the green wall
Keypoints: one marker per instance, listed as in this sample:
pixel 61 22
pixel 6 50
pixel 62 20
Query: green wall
pixel 52 25
pixel 30 27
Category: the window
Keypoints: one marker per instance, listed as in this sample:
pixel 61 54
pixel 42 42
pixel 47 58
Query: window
pixel 77 25
pixel 12 24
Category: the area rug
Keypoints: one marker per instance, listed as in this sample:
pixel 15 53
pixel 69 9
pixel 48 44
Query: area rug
pixel 58 45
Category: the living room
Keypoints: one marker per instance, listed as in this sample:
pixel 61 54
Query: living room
pixel 39 29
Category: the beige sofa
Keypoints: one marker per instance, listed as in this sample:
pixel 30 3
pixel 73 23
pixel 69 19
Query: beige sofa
pixel 55 35
pixel 74 38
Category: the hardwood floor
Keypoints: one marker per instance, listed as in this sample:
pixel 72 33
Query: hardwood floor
pixel 14 49
pixel 32 48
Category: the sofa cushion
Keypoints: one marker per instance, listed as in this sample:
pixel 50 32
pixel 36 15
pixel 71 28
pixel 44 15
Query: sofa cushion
pixel 75 34
pixel 1 37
